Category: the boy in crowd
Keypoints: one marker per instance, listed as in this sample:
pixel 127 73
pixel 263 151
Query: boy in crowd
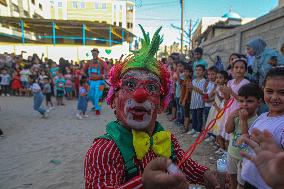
pixel 185 96
pixel 197 103
pixel 47 92
pixel 180 79
pixel 198 60
pixel 5 80
pixel 249 97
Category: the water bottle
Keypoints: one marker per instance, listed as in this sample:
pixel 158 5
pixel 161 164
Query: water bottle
pixel 222 168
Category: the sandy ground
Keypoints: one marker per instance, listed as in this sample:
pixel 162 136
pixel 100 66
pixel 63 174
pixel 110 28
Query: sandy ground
pixel 49 153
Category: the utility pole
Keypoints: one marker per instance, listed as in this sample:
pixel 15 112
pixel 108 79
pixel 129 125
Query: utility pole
pixel 190 33
pixel 182 21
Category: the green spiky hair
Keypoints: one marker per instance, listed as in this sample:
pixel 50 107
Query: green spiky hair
pixel 144 58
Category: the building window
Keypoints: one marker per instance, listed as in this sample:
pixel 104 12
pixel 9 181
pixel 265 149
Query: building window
pixel 120 24
pixel 40 6
pixel 114 23
pixel 33 1
pixel 120 7
pixel 83 5
pixel 114 7
pixel 60 4
pixel 96 5
pixel 15 8
pixel 128 24
pixel 104 5
pixel 104 22
pixel 74 5
pixel 131 25
pixel 3 2
pixel 130 8
pixel 26 13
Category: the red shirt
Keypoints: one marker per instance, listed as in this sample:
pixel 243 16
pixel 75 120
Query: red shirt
pixel 104 167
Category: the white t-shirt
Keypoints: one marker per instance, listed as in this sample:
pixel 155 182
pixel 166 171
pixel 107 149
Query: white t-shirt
pixel 210 88
pixel 35 88
pixel 275 125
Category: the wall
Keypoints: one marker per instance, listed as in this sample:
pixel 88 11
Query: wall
pixel 270 27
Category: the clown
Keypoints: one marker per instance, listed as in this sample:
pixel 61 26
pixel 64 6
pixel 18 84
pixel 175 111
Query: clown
pixel 135 142
pixel 95 70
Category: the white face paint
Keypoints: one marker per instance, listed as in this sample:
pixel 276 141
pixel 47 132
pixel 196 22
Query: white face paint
pixel 138 115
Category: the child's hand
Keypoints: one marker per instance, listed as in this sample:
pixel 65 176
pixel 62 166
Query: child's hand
pixel 235 113
pixel 243 114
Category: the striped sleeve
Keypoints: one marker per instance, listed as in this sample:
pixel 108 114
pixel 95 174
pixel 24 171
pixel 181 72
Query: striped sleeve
pixel 192 170
pixel 104 167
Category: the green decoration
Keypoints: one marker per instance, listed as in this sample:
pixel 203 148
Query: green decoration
pixel 108 51
pixel 145 57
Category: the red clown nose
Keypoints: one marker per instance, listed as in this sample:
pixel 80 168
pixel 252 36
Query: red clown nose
pixel 140 95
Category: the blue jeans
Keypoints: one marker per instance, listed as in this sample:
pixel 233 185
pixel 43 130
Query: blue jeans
pixel 180 112
pixel 38 99
pixel 197 119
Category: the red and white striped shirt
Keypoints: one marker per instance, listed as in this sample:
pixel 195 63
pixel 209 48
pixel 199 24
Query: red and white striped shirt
pixel 104 167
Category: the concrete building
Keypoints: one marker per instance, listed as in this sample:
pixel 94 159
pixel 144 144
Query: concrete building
pixel 231 18
pixel 25 8
pixel 114 12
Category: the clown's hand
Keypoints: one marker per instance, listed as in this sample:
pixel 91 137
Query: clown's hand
pixel 155 176
pixel 216 180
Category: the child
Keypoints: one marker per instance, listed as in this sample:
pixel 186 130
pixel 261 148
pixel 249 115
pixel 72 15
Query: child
pixel 38 97
pixel 24 77
pixel 230 67
pixel 185 95
pixel 16 84
pixel 173 77
pixel 69 84
pixel 239 68
pixel 221 81
pixel 196 103
pixel 180 78
pixel 238 122
pixel 47 92
pixel 83 100
pixel 209 87
pixel 5 80
pixel 59 86
pixel 272 121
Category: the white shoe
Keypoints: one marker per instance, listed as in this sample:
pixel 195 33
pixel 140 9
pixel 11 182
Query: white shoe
pixel 45 115
pixel 51 108
pixel 7 95
pixel 196 135
pixel 85 116
pixel 191 132
pixel 3 94
pixel 79 116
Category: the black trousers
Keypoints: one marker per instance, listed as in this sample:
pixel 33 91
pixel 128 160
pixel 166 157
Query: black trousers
pixel 249 186
pixel 5 89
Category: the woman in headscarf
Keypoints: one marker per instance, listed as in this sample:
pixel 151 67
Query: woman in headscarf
pixel 257 47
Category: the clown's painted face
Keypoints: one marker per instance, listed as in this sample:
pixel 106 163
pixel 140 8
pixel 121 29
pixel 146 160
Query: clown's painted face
pixel 138 101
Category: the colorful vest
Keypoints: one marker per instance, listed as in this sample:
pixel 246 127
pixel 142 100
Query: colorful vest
pixel 94 69
pixel 124 141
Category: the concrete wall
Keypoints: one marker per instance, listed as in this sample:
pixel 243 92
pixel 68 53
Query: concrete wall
pixel 270 27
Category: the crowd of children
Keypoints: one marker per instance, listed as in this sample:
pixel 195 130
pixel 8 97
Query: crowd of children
pixel 45 80
pixel 200 93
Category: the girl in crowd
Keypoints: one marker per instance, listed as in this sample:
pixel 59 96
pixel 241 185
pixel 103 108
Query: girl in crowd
pixel 69 84
pixel 83 99
pixel 272 121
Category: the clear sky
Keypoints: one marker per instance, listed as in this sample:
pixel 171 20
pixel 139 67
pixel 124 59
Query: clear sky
pixel 154 13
